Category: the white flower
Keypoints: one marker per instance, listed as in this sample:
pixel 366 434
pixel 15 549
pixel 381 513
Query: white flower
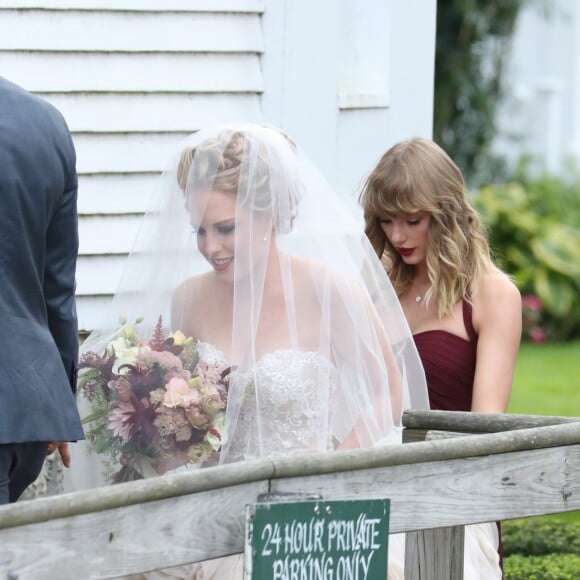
pixel 218 423
pixel 126 353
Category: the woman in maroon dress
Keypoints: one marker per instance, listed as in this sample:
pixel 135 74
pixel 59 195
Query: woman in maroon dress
pixel 464 312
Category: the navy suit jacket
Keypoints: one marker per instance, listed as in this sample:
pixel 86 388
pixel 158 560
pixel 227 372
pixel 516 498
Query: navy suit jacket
pixel 38 251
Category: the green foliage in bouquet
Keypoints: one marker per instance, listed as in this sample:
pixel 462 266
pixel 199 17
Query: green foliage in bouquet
pixel 535 235
pixel 98 432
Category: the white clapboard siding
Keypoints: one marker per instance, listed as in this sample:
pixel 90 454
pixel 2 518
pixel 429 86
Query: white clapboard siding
pixel 134 72
pixel 90 311
pixel 125 153
pixel 99 275
pixel 236 6
pixel 116 192
pixel 129 112
pixel 108 234
pixel 132 78
pixel 130 32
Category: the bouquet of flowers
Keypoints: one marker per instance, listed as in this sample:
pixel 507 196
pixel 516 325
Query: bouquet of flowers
pixel 153 404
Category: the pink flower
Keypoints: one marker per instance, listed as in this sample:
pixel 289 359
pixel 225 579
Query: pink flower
pixel 538 335
pixel 179 393
pixel 120 420
pixel 532 302
pixel 164 358
pixel 177 374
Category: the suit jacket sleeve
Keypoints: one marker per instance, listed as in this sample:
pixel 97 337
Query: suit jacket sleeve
pixel 59 279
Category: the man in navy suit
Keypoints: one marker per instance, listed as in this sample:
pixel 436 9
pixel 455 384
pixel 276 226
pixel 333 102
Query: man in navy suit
pixel 38 323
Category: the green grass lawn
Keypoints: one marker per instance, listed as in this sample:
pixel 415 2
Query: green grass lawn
pixel 547 382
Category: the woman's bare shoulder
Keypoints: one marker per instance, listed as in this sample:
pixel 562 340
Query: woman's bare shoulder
pixel 496 284
pixel 186 297
pixel 193 286
pixel 497 293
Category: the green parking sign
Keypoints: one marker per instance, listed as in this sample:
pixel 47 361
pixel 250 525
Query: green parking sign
pixel 317 540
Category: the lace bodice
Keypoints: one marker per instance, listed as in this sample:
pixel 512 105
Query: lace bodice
pixel 287 406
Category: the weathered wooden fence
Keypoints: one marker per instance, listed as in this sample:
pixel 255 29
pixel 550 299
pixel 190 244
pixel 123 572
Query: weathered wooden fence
pixel 459 468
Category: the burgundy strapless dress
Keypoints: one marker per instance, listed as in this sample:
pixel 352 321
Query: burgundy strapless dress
pixel 449 363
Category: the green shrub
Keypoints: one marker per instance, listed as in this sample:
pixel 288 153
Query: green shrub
pixel 535 236
pixel 552 567
pixel 532 537
pixel 472 47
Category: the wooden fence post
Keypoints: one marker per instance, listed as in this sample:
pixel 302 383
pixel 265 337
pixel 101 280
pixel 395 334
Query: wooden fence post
pixel 435 554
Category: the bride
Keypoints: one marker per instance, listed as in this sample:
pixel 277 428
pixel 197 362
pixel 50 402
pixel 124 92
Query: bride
pixel 249 251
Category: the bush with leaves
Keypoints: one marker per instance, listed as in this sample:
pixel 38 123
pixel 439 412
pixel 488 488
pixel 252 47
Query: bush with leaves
pixel 535 236
pixel 541 549
pixel 552 567
pixel 539 537
pixel 472 45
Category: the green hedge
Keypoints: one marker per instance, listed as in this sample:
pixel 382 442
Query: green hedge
pixel 535 236
pixel 540 537
pixel 551 567
pixel 537 549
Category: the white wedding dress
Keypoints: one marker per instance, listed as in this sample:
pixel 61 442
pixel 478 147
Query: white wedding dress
pixel 297 418
pixel 295 414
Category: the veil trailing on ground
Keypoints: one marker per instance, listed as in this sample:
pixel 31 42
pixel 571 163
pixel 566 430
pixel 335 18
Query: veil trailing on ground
pixel 248 271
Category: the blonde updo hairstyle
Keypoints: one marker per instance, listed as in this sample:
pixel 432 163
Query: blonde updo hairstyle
pixel 252 165
pixel 416 175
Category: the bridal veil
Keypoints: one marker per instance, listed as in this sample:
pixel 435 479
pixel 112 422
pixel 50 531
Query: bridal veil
pixel 284 289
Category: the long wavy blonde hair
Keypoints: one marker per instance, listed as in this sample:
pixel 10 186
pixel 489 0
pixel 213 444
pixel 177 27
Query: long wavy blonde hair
pixel 416 175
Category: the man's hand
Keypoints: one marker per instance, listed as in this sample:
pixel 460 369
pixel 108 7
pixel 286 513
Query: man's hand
pixel 63 449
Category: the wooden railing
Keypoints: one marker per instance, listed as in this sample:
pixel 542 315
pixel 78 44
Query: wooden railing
pixel 508 466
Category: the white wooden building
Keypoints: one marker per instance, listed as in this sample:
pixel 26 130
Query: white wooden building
pixel 346 78
pixel 541 112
